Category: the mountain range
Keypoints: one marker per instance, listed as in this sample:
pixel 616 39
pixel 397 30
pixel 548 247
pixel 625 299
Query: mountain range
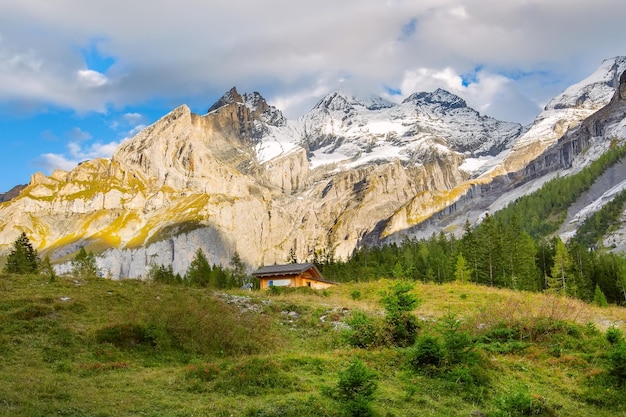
pixel 353 171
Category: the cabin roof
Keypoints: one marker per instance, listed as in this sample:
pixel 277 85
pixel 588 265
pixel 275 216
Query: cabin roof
pixel 289 269
pixel 286 269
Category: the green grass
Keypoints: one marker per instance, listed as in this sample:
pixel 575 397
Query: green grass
pixel 127 348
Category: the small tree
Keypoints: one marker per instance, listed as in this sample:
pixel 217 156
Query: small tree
pixel 23 258
pixel 599 298
pixel 292 259
pixel 199 272
pixel 238 271
pixel 355 389
pixel 84 264
pixel 463 272
pixel 400 322
pixel 47 270
pixel 162 273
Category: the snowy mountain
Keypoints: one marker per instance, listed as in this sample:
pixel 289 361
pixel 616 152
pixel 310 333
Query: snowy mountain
pixel 349 132
pixel 352 171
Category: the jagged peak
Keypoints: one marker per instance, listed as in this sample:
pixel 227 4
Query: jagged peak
pixel 231 96
pixel 255 102
pixel 440 96
pixel 333 101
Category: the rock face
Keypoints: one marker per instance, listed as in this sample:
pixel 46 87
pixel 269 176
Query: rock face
pixel 353 171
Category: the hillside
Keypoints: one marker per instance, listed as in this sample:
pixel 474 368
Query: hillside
pixel 121 348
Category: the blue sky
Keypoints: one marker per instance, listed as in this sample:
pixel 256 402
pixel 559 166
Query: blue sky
pixel 77 78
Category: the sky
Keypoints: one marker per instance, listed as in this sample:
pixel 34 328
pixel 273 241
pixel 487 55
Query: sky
pixel 78 77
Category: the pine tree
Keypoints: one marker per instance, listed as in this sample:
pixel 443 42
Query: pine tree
pixel 519 252
pixel 23 258
pixel 561 271
pixel 463 272
pixel 199 271
pixel 84 264
pixel 47 270
pixel 598 297
pixel 238 271
pixel 469 246
pixel 292 259
pixel 489 247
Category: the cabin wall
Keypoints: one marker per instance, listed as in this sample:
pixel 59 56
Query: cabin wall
pixel 306 279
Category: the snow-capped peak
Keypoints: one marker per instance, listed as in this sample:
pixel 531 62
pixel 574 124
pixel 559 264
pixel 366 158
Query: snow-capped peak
pixel 594 91
pixel 568 109
pixel 340 100
pixel 440 97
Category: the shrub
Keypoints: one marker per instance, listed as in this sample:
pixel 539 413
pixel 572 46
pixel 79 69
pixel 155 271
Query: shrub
pixel 427 354
pixel 401 329
pixel 84 264
pixel 400 323
pixel 617 363
pixel 614 335
pixel 355 389
pixel 363 332
pixel 457 343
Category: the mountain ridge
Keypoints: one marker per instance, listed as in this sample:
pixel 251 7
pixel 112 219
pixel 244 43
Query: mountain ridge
pixel 243 179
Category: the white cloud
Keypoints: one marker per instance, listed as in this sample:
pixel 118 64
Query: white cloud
pixel 48 162
pixel 76 153
pixel 491 94
pixel 281 48
pixel 133 118
pixel 91 79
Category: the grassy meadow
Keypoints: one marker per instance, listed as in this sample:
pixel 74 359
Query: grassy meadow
pixel 99 347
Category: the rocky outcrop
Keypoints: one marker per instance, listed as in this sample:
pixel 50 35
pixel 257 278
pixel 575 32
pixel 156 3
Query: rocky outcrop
pixel 12 193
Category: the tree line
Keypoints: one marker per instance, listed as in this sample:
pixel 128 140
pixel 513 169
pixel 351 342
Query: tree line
pixel 515 247
pixel 24 259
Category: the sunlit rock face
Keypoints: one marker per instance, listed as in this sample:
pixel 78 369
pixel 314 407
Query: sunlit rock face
pixel 353 171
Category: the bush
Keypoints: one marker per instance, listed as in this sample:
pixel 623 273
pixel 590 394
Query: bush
pixel 614 335
pixel 355 389
pixel 363 332
pixel 617 363
pixel 400 323
pixel 457 343
pixel 401 329
pixel 427 355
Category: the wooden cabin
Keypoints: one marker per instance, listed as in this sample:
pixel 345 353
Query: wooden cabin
pixel 292 275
